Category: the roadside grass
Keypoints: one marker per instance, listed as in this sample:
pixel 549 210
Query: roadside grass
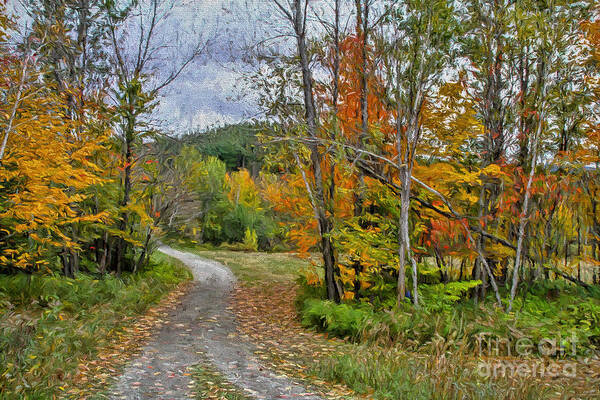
pixel 390 355
pixel 49 324
pixel 391 373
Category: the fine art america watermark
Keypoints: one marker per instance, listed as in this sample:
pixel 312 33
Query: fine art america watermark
pixel 517 361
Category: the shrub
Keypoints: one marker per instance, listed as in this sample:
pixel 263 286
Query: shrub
pixel 343 320
pixel 448 319
pixel 442 296
pixel 250 240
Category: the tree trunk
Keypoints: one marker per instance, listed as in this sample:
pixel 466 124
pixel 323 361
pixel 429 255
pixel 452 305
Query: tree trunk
pixel 74 261
pixel 405 251
pixel 66 263
pixel 362 28
pixel 524 213
pixel 440 263
pixel 324 220
pixel 103 259
pixel 476 276
pixel 401 293
pixel 141 259
pixel 13 113
pixel 122 245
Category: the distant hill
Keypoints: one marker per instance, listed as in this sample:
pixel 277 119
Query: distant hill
pixel 236 145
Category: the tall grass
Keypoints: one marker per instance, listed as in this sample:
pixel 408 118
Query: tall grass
pixel 391 373
pixel 461 324
pixel 435 352
pixel 49 323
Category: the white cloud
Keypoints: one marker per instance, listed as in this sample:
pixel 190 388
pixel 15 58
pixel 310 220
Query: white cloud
pixel 208 118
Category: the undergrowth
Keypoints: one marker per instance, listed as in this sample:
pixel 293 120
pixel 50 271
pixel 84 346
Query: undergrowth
pixel 49 323
pixel 391 373
pixel 462 324
pixel 435 352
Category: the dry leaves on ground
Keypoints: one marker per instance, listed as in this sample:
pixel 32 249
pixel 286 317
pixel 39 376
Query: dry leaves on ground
pixel 266 315
pixel 94 375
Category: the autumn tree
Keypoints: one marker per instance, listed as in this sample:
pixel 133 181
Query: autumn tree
pixel 296 15
pixel 587 154
pixel 69 38
pixel 46 167
pixel 554 22
pixel 135 32
pixel 421 49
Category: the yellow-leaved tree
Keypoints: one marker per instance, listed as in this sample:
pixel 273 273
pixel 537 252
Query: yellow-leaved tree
pixel 46 167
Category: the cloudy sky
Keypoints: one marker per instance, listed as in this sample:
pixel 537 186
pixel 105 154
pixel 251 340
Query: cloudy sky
pixel 213 89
